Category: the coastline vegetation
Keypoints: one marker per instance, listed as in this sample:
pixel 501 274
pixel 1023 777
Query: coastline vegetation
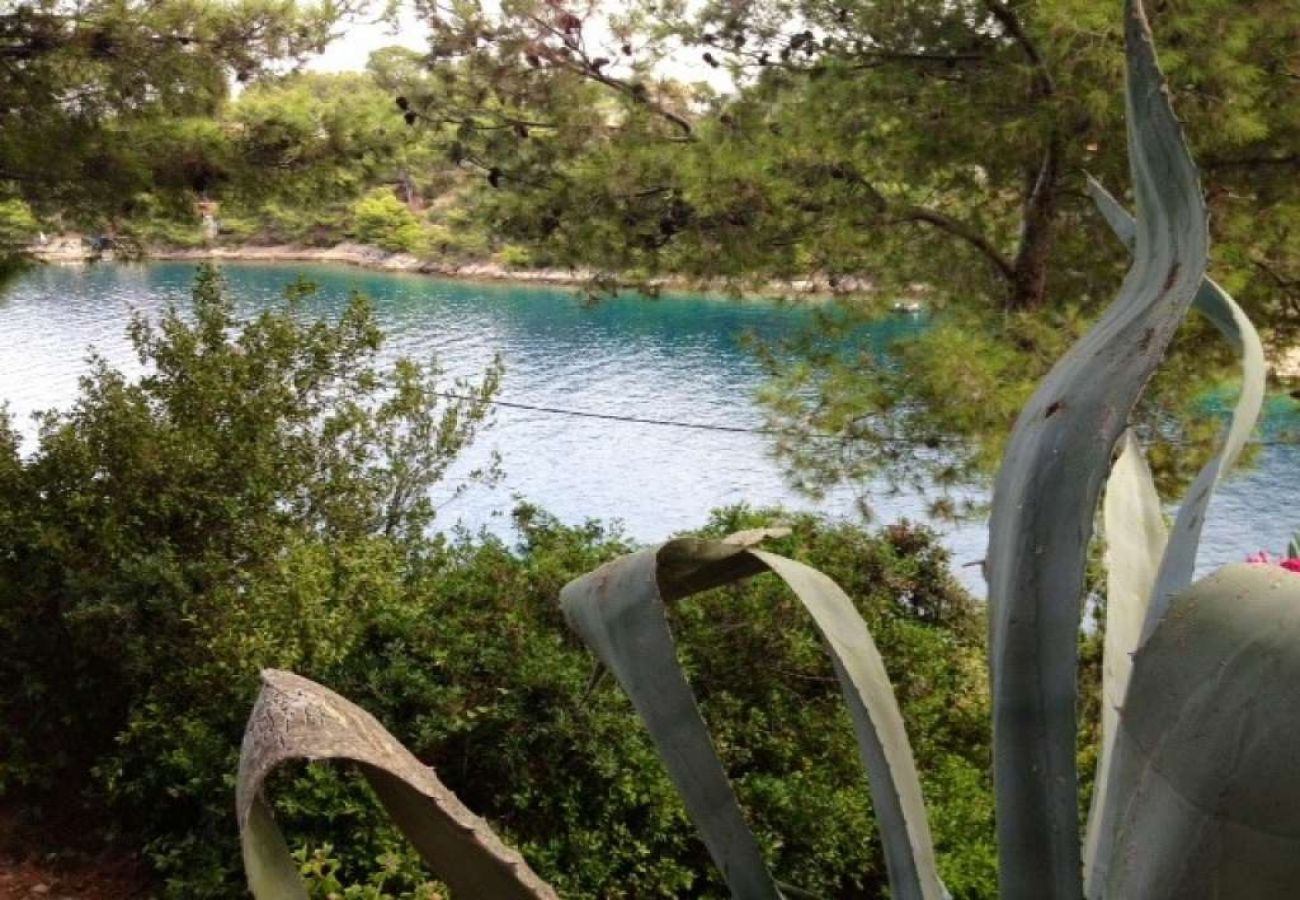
pixel 1186 789
pixel 261 501
pixel 938 149
pixel 260 497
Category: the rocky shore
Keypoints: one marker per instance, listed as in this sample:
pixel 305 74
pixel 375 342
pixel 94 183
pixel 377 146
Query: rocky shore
pixel 72 249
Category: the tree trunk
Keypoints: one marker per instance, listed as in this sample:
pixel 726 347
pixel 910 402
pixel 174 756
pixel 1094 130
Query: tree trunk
pixel 1028 288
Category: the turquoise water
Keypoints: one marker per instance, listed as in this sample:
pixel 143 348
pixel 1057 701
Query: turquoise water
pixel 676 358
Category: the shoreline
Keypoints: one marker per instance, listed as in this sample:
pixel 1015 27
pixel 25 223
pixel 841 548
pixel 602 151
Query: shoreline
pixel 1283 363
pixel 67 249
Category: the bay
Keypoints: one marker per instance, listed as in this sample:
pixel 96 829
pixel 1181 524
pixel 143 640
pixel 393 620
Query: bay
pixel 676 358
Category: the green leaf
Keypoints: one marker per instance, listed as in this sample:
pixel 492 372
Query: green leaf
pixel 1178 563
pixel 619 612
pixel 1144 567
pixel 1206 753
pixel 1047 490
pixel 1135 541
pixel 1134 556
pixel 295 718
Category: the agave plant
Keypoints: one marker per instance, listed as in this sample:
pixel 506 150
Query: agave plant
pixel 1196 793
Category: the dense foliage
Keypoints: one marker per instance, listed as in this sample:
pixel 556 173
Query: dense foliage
pixel 167 533
pixel 112 85
pixel 935 142
pixel 258 499
pixel 309 159
pixel 303 158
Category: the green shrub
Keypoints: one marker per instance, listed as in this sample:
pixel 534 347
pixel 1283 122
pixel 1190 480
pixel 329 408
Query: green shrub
pixel 309 225
pixel 18 225
pixel 156 231
pixel 382 220
pixel 460 235
pixel 237 229
pixel 247 503
pixel 513 256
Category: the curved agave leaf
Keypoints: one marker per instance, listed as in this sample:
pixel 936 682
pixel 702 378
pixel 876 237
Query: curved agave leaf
pixel 1205 761
pixel 1135 540
pixel 295 718
pixel 619 612
pixel 1047 491
pixel 1161 568
pixel 1178 562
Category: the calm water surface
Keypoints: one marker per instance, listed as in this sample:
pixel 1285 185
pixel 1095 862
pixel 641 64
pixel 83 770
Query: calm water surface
pixel 676 358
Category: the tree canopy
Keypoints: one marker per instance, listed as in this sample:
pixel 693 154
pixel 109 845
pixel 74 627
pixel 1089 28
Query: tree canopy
pixel 939 145
pixel 93 94
pixel 944 142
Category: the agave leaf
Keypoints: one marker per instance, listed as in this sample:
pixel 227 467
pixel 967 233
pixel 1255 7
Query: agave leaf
pixel 1047 490
pixel 1205 761
pixel 1164 567
pixel 878 723
pixel 1178 562
pixel 295 718
pixel 1135 540
pixel 619 611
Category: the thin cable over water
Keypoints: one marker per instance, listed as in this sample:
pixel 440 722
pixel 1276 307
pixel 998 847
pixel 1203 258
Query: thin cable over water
pixel 741 429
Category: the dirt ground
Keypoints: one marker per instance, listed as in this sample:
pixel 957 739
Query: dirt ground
pixel 28 872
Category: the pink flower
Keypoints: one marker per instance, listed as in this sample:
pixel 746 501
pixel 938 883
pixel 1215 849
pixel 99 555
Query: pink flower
pixel 1264 558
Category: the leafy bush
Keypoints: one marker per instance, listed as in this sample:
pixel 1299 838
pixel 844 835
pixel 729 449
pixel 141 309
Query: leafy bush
pixel 386 222
pixel 163 232
pixel 257 500
pixel 246 503
pixel 18 225
pixel 237 229
pixel 458 233
pixel 316 225
pixel 514 256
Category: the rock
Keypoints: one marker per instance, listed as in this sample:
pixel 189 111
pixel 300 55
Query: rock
pixel 1286 364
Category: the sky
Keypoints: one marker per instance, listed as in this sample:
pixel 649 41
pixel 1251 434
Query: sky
pixel 350 51
pixel 358 39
